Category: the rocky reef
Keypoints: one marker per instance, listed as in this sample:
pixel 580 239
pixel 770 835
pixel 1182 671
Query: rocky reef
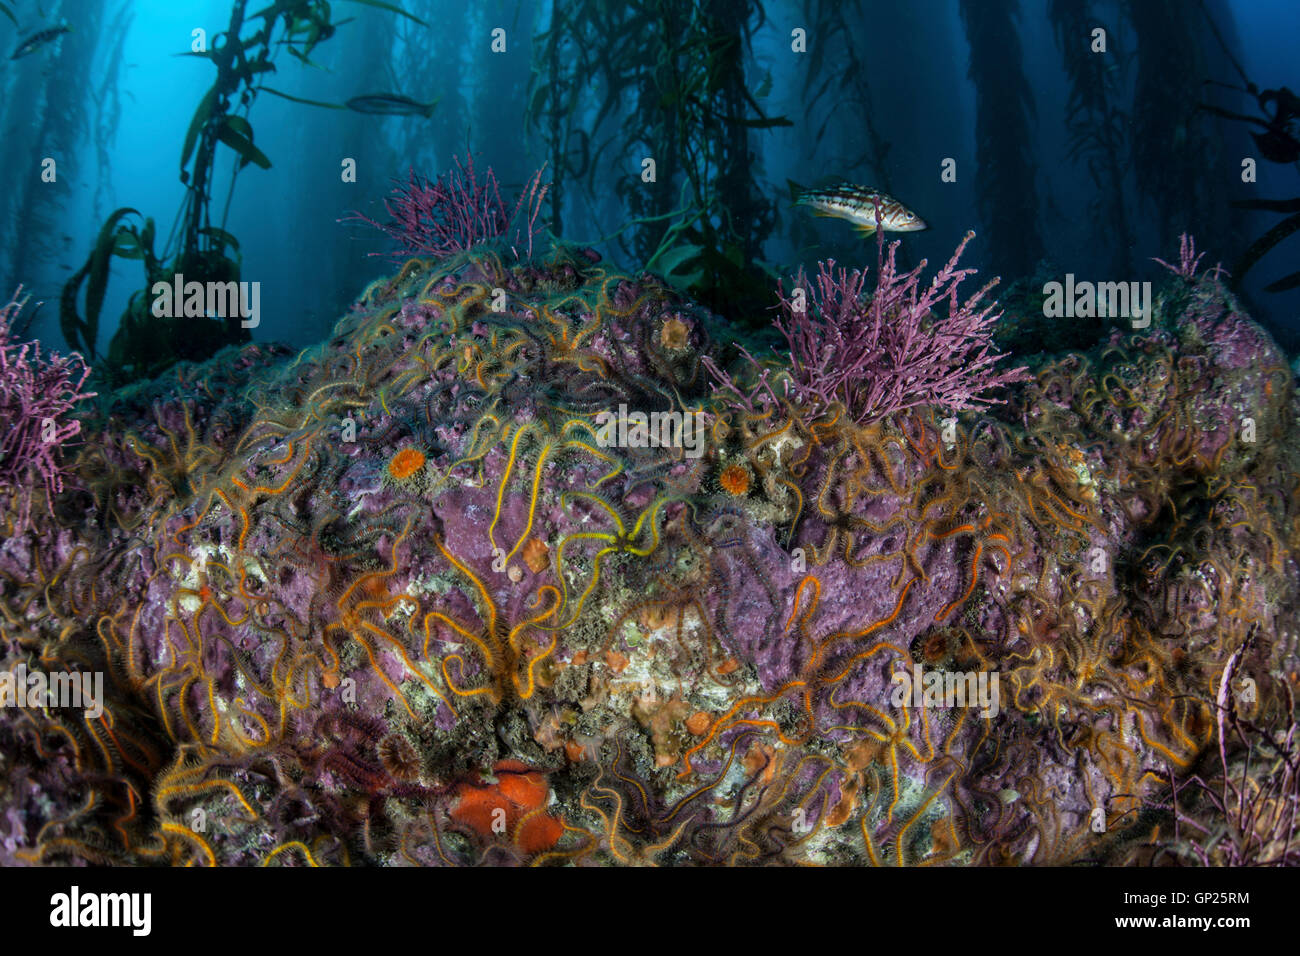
pixel 400 599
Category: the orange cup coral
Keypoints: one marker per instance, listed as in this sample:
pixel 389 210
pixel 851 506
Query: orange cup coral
pixel 406 467
pixel 734 480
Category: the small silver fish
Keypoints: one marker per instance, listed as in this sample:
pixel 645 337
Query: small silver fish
pixel 390 104
pixel 859 206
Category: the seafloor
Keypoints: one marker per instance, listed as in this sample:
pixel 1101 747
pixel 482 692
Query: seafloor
pixel 392 601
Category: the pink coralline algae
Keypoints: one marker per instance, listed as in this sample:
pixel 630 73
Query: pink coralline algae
pixel 889 353
pixel 1189 260
pixel 37 397
pixel 457 211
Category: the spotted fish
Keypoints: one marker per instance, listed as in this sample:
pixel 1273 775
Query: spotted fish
pixel 860 206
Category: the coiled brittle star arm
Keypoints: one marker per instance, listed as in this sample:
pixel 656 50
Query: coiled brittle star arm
pixel 620 540
pixel 502 651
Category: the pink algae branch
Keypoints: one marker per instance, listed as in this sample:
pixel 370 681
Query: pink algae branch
pixel 36 398
pixel 457 211
pixel 878 355
pixel 1189 261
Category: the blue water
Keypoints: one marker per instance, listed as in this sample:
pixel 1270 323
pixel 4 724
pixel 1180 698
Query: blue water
pixel 916 55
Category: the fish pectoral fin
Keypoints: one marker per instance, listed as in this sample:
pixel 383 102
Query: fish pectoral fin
pixel 865 231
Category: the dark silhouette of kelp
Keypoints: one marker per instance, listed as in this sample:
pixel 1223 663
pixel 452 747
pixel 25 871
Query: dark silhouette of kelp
pixel 47 93
pixel 1178 156
pixel 1004 108
pixel 1095 122
pixel 198 249
pixel 675 71
pixel 1278 141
